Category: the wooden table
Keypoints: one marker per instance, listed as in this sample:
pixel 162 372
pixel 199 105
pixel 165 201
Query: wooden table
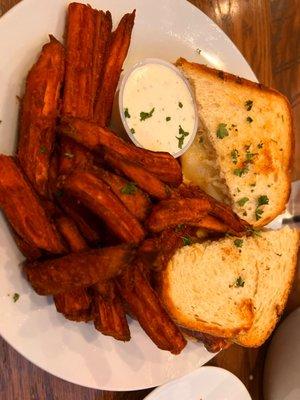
pixel 267 33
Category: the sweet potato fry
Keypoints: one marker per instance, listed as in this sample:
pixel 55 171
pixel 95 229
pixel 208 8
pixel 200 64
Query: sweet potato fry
pixel 38 114
pixel 88 134
pixel 103 22
pixel 98 197
pixel 173 212
pixel 117 52
pixel 212 224
pixel 23 209
pixel 73 301
pixel 212 344
pixel 84 55
pixel 78 299
pixel 77 270
pixel 144 179
pixel 28 250
pixel 70 233
pixel 87 223
pixel 109 315
pixel 72 156
pixel 132 197
pixel 147 308
pixel 80 316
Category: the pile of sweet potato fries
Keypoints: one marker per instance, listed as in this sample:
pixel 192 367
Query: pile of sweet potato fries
pixel 96 217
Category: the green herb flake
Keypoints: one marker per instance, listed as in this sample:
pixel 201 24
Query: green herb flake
pixel 180 105
pixel 168 119
pixel 248 105
pixel 68 155
pixel 132 131
pixel 198 51
pixel 43 149
pixel 234 156
pixel 249 120
pixel 260 145
pixel 238 242
pixel 59 193
pixel 253 231
pixel 16 297
pixel 145 115
pixel 262 200
pixel 126 113
pixel 180 138
pixel 222 131
pixel 241 171
pixel 258 213
pixel 241 202
pixel 186 240
pixel 129 188
pixel 239 282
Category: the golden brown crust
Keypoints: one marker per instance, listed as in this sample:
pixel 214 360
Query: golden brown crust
pixel 39 110
pixel 71 234
pixel 72 302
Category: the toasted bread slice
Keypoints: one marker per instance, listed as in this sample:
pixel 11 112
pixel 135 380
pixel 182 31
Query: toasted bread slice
pixel 275 278
pixel 209 287
pixel 232 288
pixel 243 150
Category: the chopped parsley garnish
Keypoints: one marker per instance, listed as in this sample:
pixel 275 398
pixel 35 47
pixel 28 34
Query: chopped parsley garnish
pixel 68 155
pixel 16 297
pixel 198 51
pixel 249 156
pixel 234 156
pixel 180 105
pixel 260 145
pixel 186 240
pixel 59 193
pixel 129 188
pixel 254 231
pixel 239 282
pixel 145 115
pixel 179 227
pixel 126 113
pixel 241 171
pixel 132 130
pixel 180 138
pixel 168 119
pixel 241 202
pixel 248 105
pixel 43 149
pixel 222 131
pixel 258 213
pixel 249 120
pixel 238 242
pixel 262 200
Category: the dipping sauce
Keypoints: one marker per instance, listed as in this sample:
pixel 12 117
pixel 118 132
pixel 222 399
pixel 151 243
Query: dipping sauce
pixel 158 108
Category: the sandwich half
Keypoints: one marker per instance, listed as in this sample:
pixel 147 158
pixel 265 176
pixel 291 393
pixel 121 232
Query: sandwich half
pixel 235 288
pixel 243 151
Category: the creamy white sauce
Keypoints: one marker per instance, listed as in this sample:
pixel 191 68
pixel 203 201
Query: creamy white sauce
pixel 155 86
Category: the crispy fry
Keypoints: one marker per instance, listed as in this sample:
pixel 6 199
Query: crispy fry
pixel 147 308
pixel 77 270
pixel 117 52
pixel 85 50
pixel 98 197
pixel 102 40
pixel 72 156
pixel 80 316
pixel 28 250
pixel 220 210
pixel 88 134
pixel 212 344
pixel 132 197
pixel 71 234
pixel 144 179
pixel 38 114
pixel 173 212
pixel 109 315
pixel 87 223
pixel 23 209
pixel 212 224
pixel 72 302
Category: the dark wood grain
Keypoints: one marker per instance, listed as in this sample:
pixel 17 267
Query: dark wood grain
pixel 267 33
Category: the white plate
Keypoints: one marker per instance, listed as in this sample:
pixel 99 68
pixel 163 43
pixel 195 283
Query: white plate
pixel 76 352
pixel 206 383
